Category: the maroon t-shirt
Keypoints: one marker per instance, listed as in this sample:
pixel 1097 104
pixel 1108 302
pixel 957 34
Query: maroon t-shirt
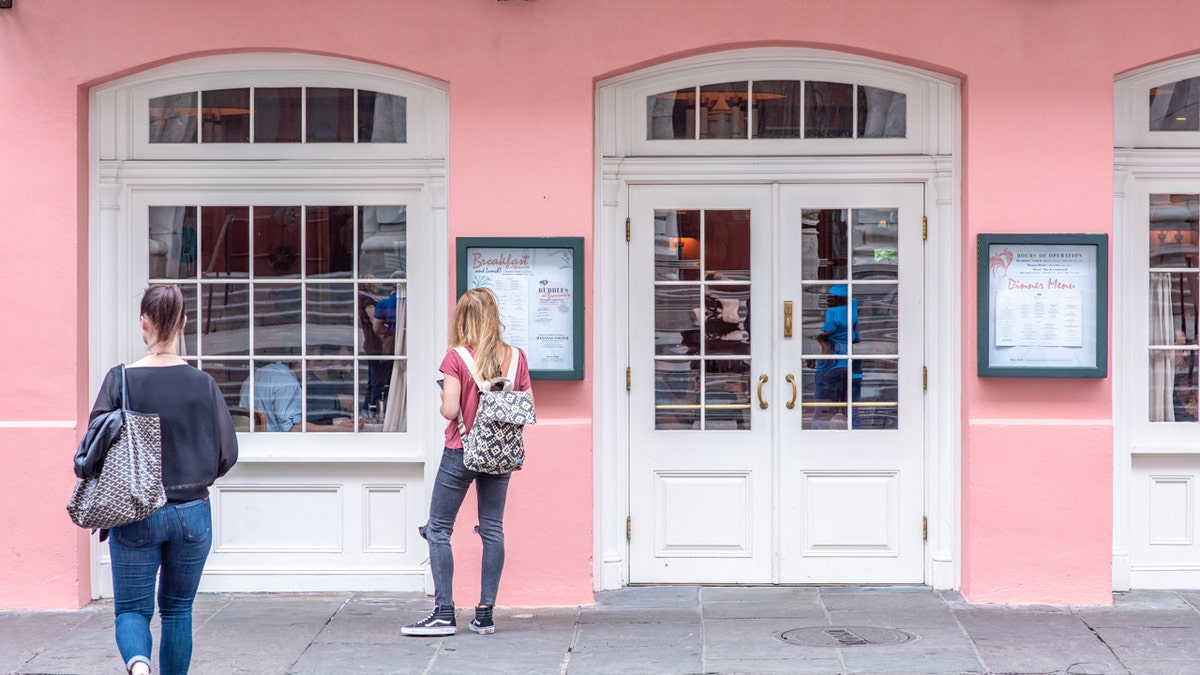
pixel 454 366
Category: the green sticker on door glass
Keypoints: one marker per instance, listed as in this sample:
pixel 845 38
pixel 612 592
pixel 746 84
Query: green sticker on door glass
pixel 885 254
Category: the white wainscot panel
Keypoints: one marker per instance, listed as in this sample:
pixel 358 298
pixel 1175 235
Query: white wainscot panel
pixel 851 513
pixel 702 514
pixel 1171 511
pixel 1163 549
pixel 278 518
pixel 386 518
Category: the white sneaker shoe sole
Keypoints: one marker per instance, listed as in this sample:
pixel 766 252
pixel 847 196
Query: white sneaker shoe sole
pixel 429 631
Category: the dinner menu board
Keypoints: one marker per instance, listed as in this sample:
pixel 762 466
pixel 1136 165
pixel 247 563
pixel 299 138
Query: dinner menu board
pixel 538 282
pixel 1043 305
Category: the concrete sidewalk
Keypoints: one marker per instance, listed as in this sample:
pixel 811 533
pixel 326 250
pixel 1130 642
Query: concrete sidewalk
pixel 646 630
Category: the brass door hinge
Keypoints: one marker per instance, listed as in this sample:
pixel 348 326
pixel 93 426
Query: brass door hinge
pixel 924 378
pixel 626 229
pixel 628 528
pixel 924 528
pixel 628 379
pixel 924 229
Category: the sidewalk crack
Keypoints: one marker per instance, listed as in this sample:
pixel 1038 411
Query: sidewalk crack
pixel 566 662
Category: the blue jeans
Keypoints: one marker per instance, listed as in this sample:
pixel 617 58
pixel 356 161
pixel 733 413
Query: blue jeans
pixel 449 489
pixel 175 538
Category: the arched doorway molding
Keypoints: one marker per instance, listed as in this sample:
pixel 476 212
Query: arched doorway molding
pixel 929 154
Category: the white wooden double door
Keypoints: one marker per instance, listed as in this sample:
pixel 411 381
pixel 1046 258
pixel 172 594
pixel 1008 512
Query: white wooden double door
pixel 776 413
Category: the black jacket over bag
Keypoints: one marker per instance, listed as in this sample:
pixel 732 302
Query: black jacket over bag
pixel 199 443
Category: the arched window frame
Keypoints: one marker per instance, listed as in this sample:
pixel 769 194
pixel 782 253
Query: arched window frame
pixel 130 104
pixel 128 174
pixel 926 99
pixel 1147 455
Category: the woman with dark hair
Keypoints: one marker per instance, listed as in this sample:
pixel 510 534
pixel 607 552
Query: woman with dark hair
pixel 198 446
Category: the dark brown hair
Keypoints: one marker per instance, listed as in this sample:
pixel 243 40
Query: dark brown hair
pixel 163 307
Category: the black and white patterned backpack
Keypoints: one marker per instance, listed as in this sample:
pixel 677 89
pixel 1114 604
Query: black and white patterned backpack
pixel 495 443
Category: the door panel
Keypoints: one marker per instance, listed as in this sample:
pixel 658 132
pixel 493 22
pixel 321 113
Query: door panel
pixel 787 450
pixel 700 444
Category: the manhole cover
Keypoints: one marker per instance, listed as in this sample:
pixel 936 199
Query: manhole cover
pixel 844 636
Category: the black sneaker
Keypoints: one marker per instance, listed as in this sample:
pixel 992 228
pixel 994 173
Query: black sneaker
pixel 439 622
pixel 482 623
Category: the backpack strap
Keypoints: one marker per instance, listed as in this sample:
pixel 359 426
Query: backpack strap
pixel 511 375
pixel 486 385
pixel 465 355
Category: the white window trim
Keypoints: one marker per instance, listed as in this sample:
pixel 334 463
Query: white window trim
pixel 620 116
pixel 1138 174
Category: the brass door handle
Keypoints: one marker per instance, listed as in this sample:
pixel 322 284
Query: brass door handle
pixel 787 318
pixel 762 379
pixel 791 379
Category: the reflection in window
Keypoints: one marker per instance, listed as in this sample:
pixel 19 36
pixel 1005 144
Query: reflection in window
pixel 671 114
pixel 299 312
pixel 382 118
pixel 277 114
pixel 702 320
pixel 173 118
pixel 828 110
pixel 1175 106
pixel 225 115
pixel 333 116
pixel 776 109
pixel 881 113
pixel 1174 297
pixel 850 318
pixel 723 110
pixel 330 115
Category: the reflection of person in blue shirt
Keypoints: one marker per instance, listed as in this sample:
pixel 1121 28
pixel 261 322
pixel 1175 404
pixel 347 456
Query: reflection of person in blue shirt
pixel 840 328
pixel 383 324
pixel 278 394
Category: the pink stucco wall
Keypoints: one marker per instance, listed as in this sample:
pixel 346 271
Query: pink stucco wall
pixel 1037 137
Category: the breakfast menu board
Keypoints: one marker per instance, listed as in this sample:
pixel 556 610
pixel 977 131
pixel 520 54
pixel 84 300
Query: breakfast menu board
pixel 537 288
pixel 1041 299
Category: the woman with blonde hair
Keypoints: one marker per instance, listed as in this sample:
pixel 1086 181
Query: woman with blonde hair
pixel 476 326
pixel 164 553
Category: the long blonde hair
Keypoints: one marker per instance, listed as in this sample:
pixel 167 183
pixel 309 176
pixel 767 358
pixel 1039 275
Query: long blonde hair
pixel 476 324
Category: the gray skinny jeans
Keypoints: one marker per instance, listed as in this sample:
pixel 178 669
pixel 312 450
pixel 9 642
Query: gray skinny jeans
pixel 449 489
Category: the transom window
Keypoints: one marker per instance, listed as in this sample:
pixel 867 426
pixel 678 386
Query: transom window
pixel 1176 106
pixel 1174 303
pixel 772 109
pixel 278 115
pixel 298 311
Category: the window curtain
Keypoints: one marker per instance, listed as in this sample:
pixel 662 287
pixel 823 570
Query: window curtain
pixel 886 116
pixel 396 416
pixel 390 119
pixel 166 241
pixel 1162 361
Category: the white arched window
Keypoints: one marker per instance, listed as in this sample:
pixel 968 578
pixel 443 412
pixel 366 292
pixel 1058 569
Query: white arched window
pixel 1156 299
pixel 298 201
